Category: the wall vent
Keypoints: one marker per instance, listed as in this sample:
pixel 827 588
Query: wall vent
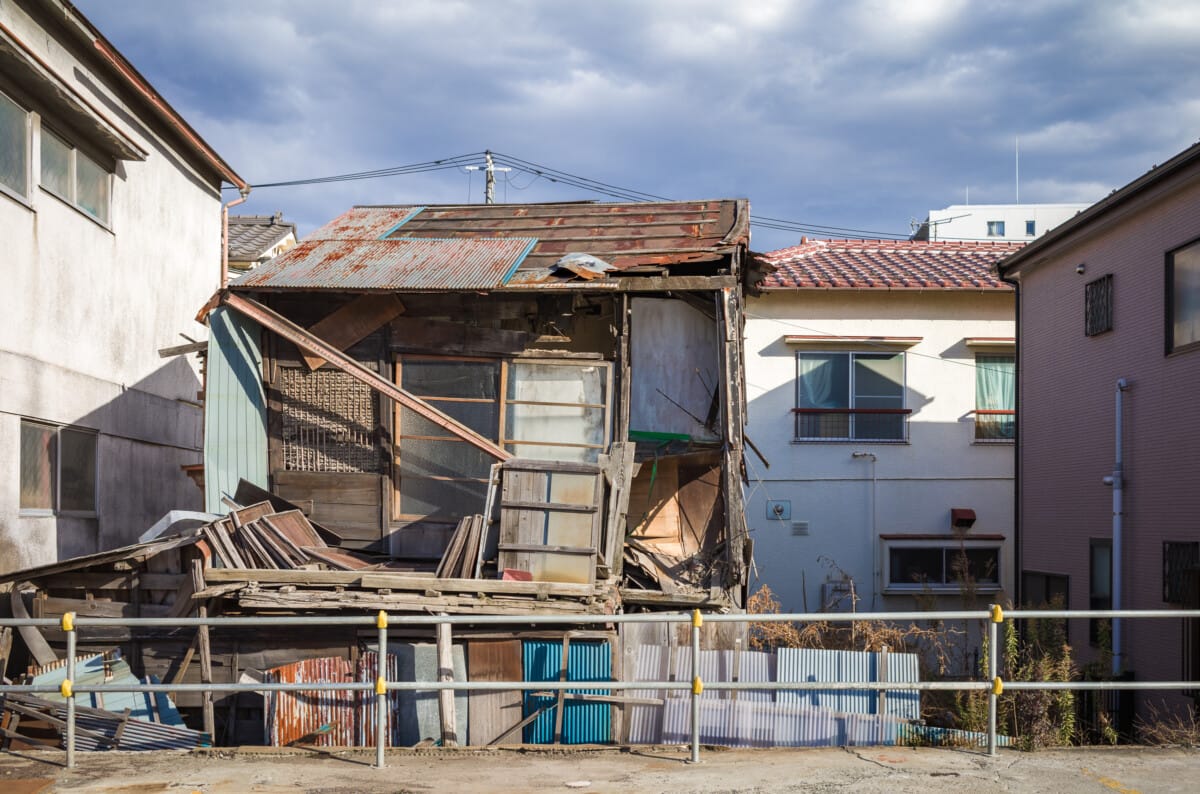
pixel 799 528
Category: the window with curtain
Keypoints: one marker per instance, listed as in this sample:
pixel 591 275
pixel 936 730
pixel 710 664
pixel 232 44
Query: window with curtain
pixel 995 397
pixel 850 396
pixel 1183 297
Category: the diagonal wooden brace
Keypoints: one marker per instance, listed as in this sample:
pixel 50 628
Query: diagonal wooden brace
pixel 300 337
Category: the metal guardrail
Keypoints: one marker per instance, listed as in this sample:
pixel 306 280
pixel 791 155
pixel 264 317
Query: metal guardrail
pixel 995 686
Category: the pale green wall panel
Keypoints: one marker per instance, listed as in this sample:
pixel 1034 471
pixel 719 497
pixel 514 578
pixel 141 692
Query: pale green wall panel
pixel 235 408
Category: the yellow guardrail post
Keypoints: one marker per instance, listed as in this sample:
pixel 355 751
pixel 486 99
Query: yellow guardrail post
pixel 381 715
pixel 697 685
pixel 993 673
pixel 67 688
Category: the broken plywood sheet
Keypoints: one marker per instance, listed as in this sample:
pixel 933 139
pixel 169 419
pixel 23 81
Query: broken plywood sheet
pixel 352 322
pixel 675 368
pixel 675 505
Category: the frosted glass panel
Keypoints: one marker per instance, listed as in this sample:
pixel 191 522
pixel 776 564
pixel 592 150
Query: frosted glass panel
pixel 563 424
pixel 557 383
pixel 544 452
pixel 56 165
pixel 92 184
pixel 14 144
pixel 434 378
pixel 450 458
pixel 77 470
pixel 441 499
pixel 37 467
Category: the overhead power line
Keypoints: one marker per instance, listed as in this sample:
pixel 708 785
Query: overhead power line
pixel 538 171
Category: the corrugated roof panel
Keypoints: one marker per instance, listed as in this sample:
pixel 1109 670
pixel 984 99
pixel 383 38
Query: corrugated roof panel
pixel 394 264
pixel 362 223
pixel 320 718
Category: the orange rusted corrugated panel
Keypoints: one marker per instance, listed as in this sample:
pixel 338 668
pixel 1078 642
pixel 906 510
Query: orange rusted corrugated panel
pixel 323 719
pixel 404 264
pixel 363 223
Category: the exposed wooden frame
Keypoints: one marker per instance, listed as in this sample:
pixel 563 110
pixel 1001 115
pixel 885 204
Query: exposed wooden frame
pixel 298 336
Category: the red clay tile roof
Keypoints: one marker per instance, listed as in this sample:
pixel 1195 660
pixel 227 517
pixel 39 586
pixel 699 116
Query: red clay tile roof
pixel 887 264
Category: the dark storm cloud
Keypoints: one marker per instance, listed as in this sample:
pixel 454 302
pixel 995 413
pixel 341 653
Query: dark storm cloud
pixel 858 115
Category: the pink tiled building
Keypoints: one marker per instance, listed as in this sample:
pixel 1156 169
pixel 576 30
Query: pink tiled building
pixel 1113 296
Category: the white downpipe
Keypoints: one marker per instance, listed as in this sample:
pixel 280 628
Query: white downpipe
pixel 874 539
pixel 1118 512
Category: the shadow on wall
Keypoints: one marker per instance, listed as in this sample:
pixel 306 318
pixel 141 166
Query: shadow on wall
pixel 131 450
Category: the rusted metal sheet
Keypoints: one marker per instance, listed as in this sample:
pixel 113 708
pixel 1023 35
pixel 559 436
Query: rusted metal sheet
pixel 320 718
pixel 625 235
pixel 363 223
pixel 393 264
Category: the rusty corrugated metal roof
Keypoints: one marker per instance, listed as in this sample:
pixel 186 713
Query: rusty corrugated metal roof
pixel 400 264
pixel 480 246
pixel 624 235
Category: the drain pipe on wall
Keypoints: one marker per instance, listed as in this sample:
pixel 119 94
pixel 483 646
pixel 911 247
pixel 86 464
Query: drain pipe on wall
pixel 245 191
pixel 1118 511
pixel 874 538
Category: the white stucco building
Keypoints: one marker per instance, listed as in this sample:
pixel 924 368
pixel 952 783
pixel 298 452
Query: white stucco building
pixel 110 222
pixel 880 386
pixel 995 222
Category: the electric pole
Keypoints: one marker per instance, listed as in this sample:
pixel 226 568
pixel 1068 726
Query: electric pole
pixel 489 173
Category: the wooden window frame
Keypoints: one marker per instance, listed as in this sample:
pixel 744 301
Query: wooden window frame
pixel 501 402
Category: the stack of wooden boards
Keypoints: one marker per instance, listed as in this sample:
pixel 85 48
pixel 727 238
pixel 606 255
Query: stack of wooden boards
pixel 258 537
pixel 462 559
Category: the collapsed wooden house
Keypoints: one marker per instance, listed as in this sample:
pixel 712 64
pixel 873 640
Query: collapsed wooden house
pixel 476 410
pixel 380 370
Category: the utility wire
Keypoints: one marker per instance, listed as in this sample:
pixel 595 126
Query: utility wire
pixel 538 171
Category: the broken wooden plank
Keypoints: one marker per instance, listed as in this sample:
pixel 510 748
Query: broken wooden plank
pixel 248 492
pixel 446 711
pixel 455 338
pixel 353 322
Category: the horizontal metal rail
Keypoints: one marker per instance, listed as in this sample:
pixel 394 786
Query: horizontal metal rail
pixel 993 616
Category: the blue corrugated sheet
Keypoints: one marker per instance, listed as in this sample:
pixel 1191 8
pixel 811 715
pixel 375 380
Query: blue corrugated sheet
pixel 583 723
pixel 235 407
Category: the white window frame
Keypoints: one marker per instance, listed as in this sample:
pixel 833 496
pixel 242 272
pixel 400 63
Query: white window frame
pixel 73 154
pixel 10 191
pixel 56 473
pixel 948 546
pixel 850 437
pixel 995 229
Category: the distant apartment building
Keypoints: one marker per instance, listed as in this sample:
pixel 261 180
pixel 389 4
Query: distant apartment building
pixel 1018 223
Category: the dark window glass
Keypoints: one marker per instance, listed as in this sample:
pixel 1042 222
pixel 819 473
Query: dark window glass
pixel 1183 297
pixel 1099 584
pixel 1181 563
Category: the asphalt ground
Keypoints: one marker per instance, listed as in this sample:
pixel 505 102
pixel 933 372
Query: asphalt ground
pixel 664 769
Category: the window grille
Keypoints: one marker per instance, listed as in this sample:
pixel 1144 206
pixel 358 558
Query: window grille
pixel 1098 305
pixel 1178 560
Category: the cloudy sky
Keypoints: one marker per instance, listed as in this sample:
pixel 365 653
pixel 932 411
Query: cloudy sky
pixel 856 115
